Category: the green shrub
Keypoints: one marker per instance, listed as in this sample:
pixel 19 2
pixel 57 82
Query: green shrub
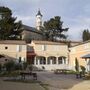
pixel 9 66
pixel 87 77
pixel 71 72
pixel 83 69
pixel 17 66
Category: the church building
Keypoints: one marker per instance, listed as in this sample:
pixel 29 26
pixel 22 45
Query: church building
pixel 33 33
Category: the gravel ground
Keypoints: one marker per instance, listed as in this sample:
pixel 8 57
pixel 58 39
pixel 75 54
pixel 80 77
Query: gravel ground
pixel 62 82
pixel 7 85
pixel 50 81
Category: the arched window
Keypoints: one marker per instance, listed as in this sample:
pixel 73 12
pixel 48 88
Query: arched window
pixel 41 59
pixel 60 61
pixel 51 58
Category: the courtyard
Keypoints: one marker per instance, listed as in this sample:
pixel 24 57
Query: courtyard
pixel 50 81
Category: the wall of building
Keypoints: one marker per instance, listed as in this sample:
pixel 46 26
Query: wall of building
pixel 77 52
pixel 13 52
pixel 29 35
pixel 50 50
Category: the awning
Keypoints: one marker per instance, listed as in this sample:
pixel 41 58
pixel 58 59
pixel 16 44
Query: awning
pixel 86 56
pixel 31 54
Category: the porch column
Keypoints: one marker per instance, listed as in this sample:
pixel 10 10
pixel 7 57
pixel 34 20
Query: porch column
pixel 57 60
pixel 63 60
pixel 50 61
pixel 46 60
pixel 38 61
pixel 34 60
pixel 66 60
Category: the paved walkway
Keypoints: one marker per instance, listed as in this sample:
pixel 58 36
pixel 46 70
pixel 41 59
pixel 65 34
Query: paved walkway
pixel 63 82
pixel 85 85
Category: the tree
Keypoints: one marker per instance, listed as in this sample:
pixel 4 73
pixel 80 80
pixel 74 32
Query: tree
pixel 86 35
pixel 9 28
pixel 53 29
pixel 76 65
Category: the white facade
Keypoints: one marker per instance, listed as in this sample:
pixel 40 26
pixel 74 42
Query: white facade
pixel 50 55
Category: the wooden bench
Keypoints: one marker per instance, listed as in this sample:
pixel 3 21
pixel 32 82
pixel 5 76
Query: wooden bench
pixel 24 74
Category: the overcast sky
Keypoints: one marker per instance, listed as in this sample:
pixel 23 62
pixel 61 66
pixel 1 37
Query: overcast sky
pixel 74 13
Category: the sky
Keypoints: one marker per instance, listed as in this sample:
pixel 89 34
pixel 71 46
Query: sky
pixel 75 14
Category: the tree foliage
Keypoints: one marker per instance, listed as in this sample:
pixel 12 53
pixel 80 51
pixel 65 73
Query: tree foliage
pixel 86 35
pixel 9 66
pixel 9 28
pixel 53 29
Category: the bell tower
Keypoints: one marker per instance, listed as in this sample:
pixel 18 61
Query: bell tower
pixel 38 20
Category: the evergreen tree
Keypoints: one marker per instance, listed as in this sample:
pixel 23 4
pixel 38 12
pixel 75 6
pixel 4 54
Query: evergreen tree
pixel 76 65
pixel 53 29
pixel 86 35
pixel 9 28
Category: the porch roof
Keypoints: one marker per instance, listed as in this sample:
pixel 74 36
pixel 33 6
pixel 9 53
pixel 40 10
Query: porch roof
pixel 86 56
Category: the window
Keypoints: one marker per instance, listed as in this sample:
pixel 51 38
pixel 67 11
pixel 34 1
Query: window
pixel 60 60
pixel 44 47
pixel 53 61
pixel 51 58
pixel 6 47
pixel 19 48
pixel 42 60
pixel 48 61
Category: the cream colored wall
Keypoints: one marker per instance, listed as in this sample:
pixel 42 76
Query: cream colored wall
pixel 51 50
pixel 12 51
pixel 78 52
